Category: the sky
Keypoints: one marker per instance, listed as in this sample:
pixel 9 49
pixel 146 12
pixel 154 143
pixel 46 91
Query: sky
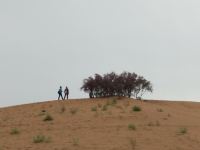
pixel 48 43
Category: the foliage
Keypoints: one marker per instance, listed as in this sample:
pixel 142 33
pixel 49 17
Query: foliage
pixel 73 110
pixel 94 108
pixel 111 84
pixel 14 131
pixel 136 108
pixel 131 127
pixel 48 117
pixel 41 139
pixel 182 131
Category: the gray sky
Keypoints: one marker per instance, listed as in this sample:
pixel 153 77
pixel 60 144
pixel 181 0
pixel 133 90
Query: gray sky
pixel 48 43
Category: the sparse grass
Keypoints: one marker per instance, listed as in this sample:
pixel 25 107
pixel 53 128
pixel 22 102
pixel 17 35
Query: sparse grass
pixel 14 131
pixel 160 110
pixel 48 117
pixel 114 102
pixel 157 123
pixel 150 124
pixel 94 108
pixel 75 141
pixel 136 108
pixel 99 105
pixel 41 139
pixel 104 108
pixel 131 127
pixel 133 144
pixel 42 113
pixel 73 111
pixel 63 109
pixel 182 131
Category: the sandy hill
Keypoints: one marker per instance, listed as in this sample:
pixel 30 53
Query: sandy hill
pixel 101 124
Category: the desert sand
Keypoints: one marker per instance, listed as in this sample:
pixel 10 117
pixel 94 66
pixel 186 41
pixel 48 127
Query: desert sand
pixel 101 124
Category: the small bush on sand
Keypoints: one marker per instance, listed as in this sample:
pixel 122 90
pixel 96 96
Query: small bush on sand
pixel 41 139
pixel 75 141
pixel 150 124
pixel 14 131
pixel 48 117
pixel 63 109
pixel 160 110
pixel 99 105
pixel 104 108
pixel 73 111
pixel 94 108
pixel 114 101
pixel 182 131
pixel 136 108
pixel 131 127
pixel 133 144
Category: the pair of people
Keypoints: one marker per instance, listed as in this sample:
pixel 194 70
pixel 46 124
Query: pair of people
pixel 66 92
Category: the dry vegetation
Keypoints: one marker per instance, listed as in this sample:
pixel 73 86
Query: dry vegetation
pixel 101 124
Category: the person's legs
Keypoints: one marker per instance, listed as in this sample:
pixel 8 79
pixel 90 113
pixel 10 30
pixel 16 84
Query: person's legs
pixel 65 96
pixel 62 97
pixel 59 97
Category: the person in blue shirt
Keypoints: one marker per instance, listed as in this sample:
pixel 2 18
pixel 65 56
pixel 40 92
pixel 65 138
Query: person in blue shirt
pixel 60 93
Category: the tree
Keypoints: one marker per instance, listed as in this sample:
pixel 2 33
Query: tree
pixel 110 84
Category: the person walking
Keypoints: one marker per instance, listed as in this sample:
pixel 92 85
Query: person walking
pixel 66 91
pixel 60 93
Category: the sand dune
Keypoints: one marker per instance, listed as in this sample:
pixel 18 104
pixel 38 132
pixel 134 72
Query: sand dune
pixel 101 124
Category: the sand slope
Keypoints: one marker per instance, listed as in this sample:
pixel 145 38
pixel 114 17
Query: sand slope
pixel 101 124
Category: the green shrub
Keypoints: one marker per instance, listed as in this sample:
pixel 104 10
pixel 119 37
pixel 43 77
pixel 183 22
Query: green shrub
pixel 75 141
pixel 114 101
pixel 62 109
pixel 14 131
pixel 73 110
pixel 48 117
pixel 131 127
pixel 94 108
pixel 136 108
pixel 133 144
pixel 182 131
pixel 104 108
pixel 99 105
pixel 41 139
pixel 160 110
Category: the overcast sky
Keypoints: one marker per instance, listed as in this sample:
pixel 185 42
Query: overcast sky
pixel 48 43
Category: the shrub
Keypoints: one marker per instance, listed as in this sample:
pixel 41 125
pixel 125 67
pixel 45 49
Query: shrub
pixel 75 141
pixel 14 131
pixel 104 108
pixel 114 101
pixel 131 127
pixel 62 109
pixel 136 108
pixel 99 105
pixel 150 124
pixel 133 144
pixel 94 108
pixel 182 131
pixel 160 110
pixel 73 111
pixel 41 139
pixel 48 117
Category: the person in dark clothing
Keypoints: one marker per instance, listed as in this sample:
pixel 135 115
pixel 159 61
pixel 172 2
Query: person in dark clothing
pixel 60 93
pixel 66 92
